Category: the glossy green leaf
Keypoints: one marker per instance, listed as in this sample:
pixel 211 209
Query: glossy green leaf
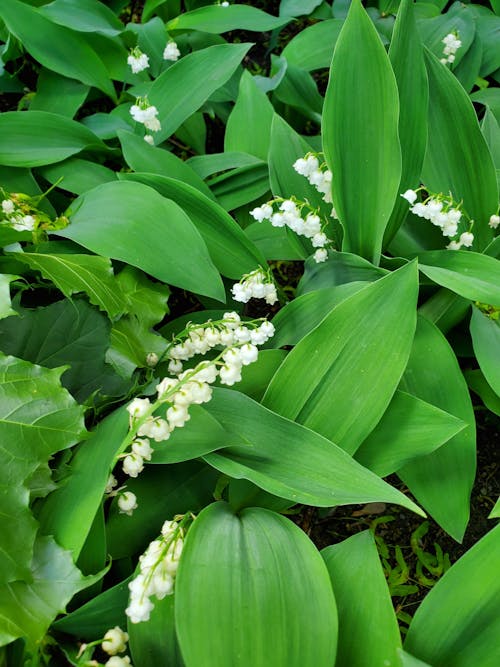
pixel 147 299
pixel 246 582
pixel 34 138
pixel 409 428
pixel 408 660
pixel 457 158
pixel 477 382
pixel 291 461
pixel 131 342
pixel 459 17
pixel 240 186
pixel 312 48
pixel 80 273
pixel 76 175
pixel 445 309
pixel 231 251
pixel 191 81
pixel 155 642
pixel 162 492
pixel 58 92
pixel 217 19
pixel 206 165
pixel 495 512
pixel 407 59
pixel 364 604
pixel 133 223
pixel 488 32
pixel 28 608
pixel 360 134
pixel 83 15
pixel 5 302
pixel 298 7
pixel 485 332
pixel 56 47
pixel 248 128
pixel 258 375
pixel 441 481
pixel 469 594
pixel 142 157
pixel 469 274
pixel 343 268
pixel 37 418
pixel 353 360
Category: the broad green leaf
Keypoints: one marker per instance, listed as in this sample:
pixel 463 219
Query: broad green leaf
pixel 457 158
pixel 76 175
pixel 80 273
pixel 363 603
pixel 162 492
pixel 34 138
pixel 459 17
pixel 409 428
pixel 258 375
pixel 56 47
pixel 458 622
pixel 445 309
pixel 408 660
pixel 353 360
pixel 28 608
pixel 140 156
pixel 441 481
pixel 274 242
pixel 291 461
pixel 69 511
pixel 155 642
pixel 83 15
pixel 231 251
pixel 190 82
pixel 56 92
pixel 5 302
pixel 297 7
pixel 206 165
pixel 248 128
pixel 488 32
pixel 477 382
pixel 298 89
pixel 485 332
pixel 312 48
pixel 131 342
pixel 469 274
pixel 37 418
pixel 241 186
pixel 495 512
pixel 147 299
pixel 71 334
pixel 343 268
pixel 151 39
pixel 217 19
pixel 360 134
pixel 246 582
pixel 133 223
pixel 407 59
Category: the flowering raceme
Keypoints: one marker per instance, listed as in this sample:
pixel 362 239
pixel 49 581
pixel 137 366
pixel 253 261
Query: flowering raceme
pixel 451 46
pixel 143 112
pixel 137 60
pixel 255 285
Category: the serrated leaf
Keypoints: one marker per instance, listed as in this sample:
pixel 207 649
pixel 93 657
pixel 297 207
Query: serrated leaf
pixel 80 273
pixel 37 418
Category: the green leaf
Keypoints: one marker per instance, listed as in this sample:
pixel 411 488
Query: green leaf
pixel 291 461
pixel 495 512
pixel 485 332
pixel 34 138
pixel 83 15
pixel 140 156
pixel 258 375
pixel 240 186
pixel 248 128
pixel 77 175
pixel 5 302
pixel 407 59
pixel 80 273
pixel 312 48
pixel 409 428
pixel 58 92
pixel 206 165
pixel 246 583
pixel 458 622
pixel 441 481
pixel 190 82
pixel 360 134
pixel 343 268
pixel 28 608
pixel 353 360
pixel 217 19
pixel 69 511
pixel 469 274
pixel 148 300
pixel 155 642
pixel 408 660
pixel 37 419
pixel 131 342
pixel 477 382
pixel 363 602
pixel 56 47
pixel 457 158
pixel 297 7
pixel 133 223
pixel 231 251
pixel 65 333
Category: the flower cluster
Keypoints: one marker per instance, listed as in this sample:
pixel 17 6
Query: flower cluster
pixel 255 285
pixel 137 60
pixel 17 217
pixel 317 174
pixel 494 221
pixel 157 570
pixel 445 214
pixel 115 641
pixel 451 46
pixel 289 214
pixel 171 51
pixel 145 113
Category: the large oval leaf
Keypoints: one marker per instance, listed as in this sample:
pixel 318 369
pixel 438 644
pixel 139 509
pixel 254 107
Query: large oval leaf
pixel 340 378
pixel 133 223
pixel 360 134
pixel 485 332
pixel 218 19
pixel 257 592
